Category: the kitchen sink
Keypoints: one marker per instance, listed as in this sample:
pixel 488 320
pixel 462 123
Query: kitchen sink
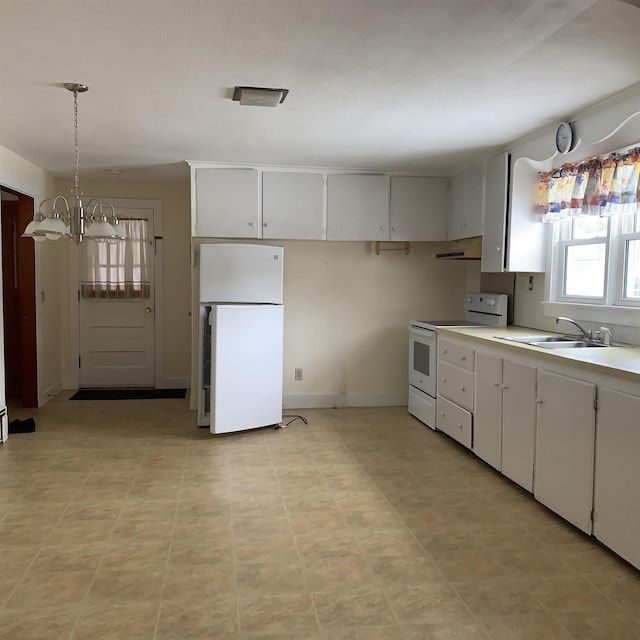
pixel 556 342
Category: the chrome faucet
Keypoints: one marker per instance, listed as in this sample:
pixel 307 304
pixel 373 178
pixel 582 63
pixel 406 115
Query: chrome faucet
pixel 587 335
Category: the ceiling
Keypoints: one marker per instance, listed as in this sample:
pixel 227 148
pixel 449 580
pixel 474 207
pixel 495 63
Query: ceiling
pixel 408 85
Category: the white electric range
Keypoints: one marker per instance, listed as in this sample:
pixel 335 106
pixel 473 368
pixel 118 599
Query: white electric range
pixel 481 309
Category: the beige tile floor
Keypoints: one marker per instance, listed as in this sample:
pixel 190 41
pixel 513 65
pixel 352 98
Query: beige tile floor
pixel 122 520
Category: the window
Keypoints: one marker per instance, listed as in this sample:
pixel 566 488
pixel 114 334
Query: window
pixel 597 260
pixel 118 270
pixel 594 205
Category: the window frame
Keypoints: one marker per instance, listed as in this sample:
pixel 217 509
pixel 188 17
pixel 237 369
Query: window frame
pixel 623 256
pixel 564 239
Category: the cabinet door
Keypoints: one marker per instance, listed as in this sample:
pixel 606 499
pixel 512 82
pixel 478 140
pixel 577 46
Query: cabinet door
pixel 495 214
pixel 357 207
pixel 518 422
pixel 418 208
pixel 487 417
pixel 227 203
pixel 473 200
pixel 565 447
pixel 455 223
pixel 467 203
pixel 292 205
pixel 617 477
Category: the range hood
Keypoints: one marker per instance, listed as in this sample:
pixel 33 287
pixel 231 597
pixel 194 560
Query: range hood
pixel 466 249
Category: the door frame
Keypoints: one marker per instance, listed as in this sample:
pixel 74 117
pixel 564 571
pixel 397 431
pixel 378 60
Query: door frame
pixel 25 255
pixel 158 316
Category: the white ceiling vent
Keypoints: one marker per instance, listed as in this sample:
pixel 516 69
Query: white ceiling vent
pixel 259 96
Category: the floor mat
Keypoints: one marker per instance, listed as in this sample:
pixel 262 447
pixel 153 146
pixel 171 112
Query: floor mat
pixel 127 394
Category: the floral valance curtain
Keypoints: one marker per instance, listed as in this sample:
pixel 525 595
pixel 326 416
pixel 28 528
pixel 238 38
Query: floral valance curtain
pixel 118 270
pixel 594 187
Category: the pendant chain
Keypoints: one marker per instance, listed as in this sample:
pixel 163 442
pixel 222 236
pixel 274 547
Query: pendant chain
pixel 75 127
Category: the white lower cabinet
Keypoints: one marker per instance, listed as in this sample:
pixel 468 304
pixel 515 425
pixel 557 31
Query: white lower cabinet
pixel 454 421
pixel 565 440
pixel 487 441
pixel 617 475
pixel 504 423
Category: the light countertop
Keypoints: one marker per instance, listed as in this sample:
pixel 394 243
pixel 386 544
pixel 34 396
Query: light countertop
pixel 623 362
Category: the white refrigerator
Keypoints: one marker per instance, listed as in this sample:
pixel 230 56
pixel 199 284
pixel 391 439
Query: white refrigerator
pixel 242 327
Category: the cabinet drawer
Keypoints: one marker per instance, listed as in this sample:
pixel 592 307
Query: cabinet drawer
pixel 422 406
pixel 456 384
pixel 454 421
pixel 458 354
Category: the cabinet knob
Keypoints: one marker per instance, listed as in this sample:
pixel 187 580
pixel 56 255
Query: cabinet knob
pixel 252 224
pixel 444 351
pixel 462 388
pixel 381 228
pixel 538 401
pixel 442 415
pixel 463 357
pixel 505 386
pixel 459 426
pixel 498 248
pixel 266 224
pixel 394 228
pixel 444 379
pixel 496 384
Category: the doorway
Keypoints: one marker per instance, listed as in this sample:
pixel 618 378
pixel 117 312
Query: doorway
pixel 19 299
pixel 117 303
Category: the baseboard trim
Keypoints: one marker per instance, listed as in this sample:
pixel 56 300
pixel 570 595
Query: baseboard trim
pixel 329 401
pixel 49 394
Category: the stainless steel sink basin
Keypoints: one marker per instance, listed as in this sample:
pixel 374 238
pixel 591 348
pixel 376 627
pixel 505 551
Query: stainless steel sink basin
pixel 567 344
pixel 556 342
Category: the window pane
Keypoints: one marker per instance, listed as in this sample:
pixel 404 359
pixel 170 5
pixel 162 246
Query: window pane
pixel 632 273
pixel 590 227
pixel 585 267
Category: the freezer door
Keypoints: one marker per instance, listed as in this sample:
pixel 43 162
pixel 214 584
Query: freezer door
pixel 246 366
pixel 246 273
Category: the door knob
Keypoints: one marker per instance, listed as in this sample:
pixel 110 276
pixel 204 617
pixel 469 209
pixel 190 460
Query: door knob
pixel 147 309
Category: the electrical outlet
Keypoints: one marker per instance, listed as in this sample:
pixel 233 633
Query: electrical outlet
pixel 298 374
pixel 530 283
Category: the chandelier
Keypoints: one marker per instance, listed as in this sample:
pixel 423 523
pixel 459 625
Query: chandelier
pixel 56 218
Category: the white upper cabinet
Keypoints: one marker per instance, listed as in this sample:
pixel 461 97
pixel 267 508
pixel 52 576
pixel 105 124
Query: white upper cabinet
pixel 418 208
pixel 467 203
pixel 292 205
pixel 357 207
pixel 495 214
pixel 227 203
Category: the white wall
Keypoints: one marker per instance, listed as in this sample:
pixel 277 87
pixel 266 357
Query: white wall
pixel 347 312
pixel 25 177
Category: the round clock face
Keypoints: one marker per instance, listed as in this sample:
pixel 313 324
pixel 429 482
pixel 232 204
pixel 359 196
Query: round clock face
pixel 564 137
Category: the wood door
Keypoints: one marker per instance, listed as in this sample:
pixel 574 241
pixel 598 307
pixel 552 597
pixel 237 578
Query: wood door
pixel 565 447
pixel 19 301
pixel 117 335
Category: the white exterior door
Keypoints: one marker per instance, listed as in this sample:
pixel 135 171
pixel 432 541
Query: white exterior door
pixel 117 334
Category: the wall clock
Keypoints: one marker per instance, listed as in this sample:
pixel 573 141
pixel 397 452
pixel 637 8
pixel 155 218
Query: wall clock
pixel 564 137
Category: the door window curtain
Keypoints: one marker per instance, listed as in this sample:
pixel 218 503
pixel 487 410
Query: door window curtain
pixel 118 270
pixel 594 187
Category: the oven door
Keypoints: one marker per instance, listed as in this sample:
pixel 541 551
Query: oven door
pixel 422 360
